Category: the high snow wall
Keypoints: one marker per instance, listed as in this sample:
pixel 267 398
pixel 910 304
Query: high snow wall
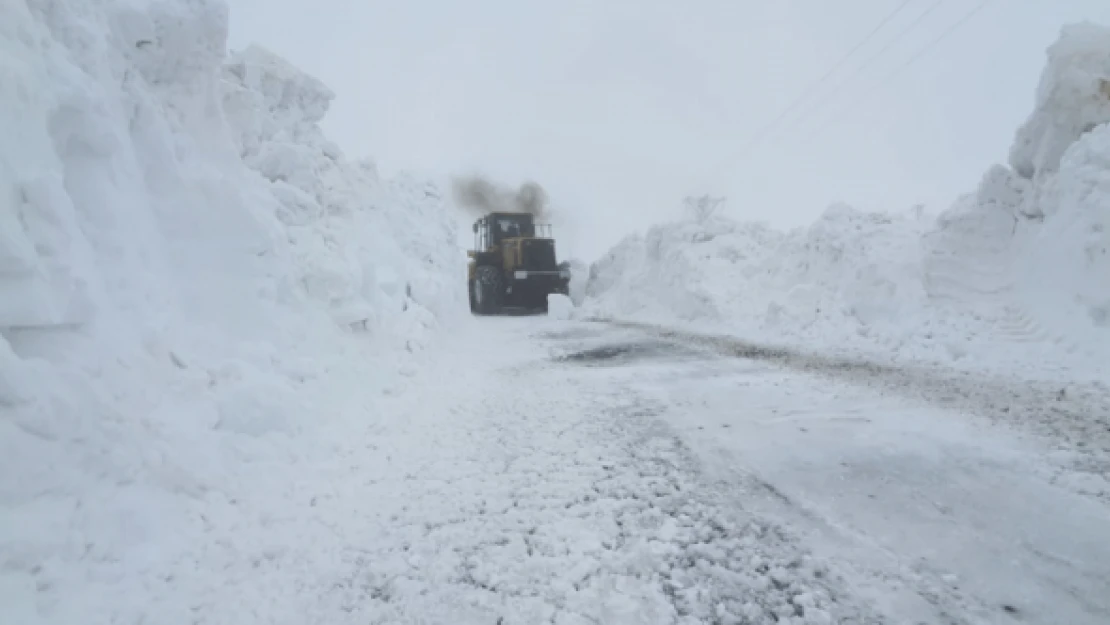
pixel 197 292
pixel 1018 268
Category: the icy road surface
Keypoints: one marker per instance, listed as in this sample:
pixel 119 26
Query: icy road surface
pixel 560 472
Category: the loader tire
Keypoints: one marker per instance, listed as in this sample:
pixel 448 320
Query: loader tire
pixel 488 291
pixel 470 295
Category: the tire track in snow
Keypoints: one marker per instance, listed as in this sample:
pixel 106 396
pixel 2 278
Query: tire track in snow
pixel 1074 420
pixel 575 506
pixel 745 488
pixel 890 490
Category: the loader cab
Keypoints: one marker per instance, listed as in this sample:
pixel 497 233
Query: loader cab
pixel 492 229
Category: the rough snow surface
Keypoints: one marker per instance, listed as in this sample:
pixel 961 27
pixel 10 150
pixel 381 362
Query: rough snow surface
pixel 646 479
pixel 198 294
pixel 570 503
pixel 1012 276
pixel 1064 265
pixel 935 504
pixel 1073 97
pixel 364 246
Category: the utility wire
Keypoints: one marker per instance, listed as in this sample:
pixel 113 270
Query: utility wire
pixel 898 70
pixel 801 98
pixel 762 132
pixel 874 57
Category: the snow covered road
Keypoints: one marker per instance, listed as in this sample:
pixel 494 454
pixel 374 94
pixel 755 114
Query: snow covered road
pixel 521 487
pixel 563 472
pixel 936 515
pixel 543 471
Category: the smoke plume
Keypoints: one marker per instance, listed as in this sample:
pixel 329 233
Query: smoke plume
pixel 479 195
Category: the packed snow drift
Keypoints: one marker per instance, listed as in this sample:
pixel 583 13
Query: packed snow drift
pixel 1018 271
pixel 197 292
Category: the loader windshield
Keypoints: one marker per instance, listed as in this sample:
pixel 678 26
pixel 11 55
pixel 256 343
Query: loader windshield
pixel 507 226
pixel 514 226
pixel 489 231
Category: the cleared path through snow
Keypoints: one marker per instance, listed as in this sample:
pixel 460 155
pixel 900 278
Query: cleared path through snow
pixel 514 487
pixel 543 471
pixel 942 500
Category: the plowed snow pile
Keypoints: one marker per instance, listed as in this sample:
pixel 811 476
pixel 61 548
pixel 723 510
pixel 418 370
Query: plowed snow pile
pixel 197 293
pixel 1015 274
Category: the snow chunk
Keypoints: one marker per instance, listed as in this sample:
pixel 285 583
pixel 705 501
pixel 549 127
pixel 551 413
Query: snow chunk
pixel 1073 97
pixel 559 306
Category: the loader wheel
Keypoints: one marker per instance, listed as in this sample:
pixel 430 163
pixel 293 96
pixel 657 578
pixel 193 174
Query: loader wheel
pixel 470 295
pixel 488 291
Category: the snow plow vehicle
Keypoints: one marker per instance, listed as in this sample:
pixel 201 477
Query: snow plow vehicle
pixel 513 265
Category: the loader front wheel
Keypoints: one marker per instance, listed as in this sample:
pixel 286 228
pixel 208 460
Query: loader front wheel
pixel 488 290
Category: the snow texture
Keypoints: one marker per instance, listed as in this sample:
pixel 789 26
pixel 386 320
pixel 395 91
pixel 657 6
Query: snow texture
pixel 911 481
pixel 570 504
pixel 198 294
pixel 1014 275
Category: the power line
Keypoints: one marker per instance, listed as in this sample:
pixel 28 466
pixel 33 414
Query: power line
pixel 898 70
pixel 801 98
pixel 759 134
pixel 867 63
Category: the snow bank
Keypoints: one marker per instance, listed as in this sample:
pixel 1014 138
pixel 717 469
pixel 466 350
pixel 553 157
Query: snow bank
pixel 198 295
pixel 1017 271
pixel 366 248
pixel 848 274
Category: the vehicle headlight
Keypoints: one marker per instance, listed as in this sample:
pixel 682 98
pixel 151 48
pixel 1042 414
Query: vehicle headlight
pixel 520 275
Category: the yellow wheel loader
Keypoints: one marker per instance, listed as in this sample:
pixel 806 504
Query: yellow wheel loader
pixel 511 266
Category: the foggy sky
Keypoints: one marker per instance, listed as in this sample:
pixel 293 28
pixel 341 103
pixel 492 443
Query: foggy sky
pixel 619 108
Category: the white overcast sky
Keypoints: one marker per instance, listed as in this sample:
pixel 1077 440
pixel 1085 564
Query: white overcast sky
pixel 621 107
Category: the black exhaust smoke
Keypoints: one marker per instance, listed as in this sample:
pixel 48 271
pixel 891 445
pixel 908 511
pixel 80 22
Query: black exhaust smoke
pixel 480 196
